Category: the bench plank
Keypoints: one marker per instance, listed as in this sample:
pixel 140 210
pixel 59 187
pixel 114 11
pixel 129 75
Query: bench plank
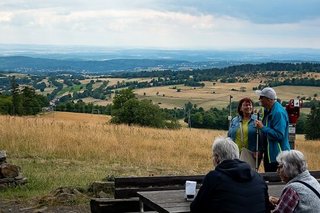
pixel 155 180
pixel 126 187
pixel 99 205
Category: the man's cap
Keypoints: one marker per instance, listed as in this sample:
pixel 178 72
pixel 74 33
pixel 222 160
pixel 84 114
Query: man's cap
pixel 267 92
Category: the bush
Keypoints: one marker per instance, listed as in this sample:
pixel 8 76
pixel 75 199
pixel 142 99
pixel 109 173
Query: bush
pixel 312 124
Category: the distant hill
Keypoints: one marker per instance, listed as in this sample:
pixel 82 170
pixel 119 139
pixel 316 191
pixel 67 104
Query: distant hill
pixel 45 58
pixel 29 65
pixel 25 64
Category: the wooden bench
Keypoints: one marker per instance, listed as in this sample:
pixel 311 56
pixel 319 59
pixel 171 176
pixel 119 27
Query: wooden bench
pixel 103 205
pixel 126 189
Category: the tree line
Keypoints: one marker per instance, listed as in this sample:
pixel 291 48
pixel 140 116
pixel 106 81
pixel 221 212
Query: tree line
pixel 23 101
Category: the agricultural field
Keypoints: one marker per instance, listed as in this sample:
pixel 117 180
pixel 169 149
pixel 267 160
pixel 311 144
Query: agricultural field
pixel 216 94
pixel 213 94
pixel 72 150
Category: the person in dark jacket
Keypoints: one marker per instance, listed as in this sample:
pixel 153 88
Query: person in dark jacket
pixel 232 186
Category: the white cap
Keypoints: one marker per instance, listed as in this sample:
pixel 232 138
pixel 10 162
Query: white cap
pixel 267 92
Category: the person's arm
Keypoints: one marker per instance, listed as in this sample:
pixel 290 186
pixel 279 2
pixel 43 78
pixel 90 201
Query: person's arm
pixel 276 133
pixel 232 129
pixel 287 202
pixel 199 204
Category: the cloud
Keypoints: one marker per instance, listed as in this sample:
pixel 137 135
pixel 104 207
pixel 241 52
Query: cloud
pixel 165 23
pixel 261 11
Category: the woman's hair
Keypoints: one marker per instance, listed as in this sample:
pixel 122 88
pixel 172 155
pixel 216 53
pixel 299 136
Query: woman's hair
pixel 225 149
pixel 293 162
pixel 241 102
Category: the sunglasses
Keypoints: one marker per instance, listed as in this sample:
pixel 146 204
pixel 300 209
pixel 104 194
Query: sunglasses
pixel 261 97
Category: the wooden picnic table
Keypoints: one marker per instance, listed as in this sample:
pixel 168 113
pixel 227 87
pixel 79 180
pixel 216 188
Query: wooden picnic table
pixel 164 201
pixel 173 201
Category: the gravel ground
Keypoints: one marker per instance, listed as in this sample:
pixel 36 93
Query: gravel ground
pixel 10 206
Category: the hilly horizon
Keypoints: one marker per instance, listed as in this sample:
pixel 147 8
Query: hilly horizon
pixel 45 58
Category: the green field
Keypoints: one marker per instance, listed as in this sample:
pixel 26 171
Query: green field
pixel 74 88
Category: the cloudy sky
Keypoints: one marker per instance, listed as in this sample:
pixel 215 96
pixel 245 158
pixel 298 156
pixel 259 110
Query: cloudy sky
pixel 168 24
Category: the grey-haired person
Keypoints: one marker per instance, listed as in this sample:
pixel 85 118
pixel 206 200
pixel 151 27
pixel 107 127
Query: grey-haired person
pixel 232 186
pixel 274 128
pixel 302 191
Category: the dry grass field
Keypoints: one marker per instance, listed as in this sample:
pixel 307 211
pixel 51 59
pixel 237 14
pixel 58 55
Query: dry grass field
pixel 216 95
pixel 70 149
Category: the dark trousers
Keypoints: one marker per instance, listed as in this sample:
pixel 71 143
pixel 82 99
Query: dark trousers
pixel 269 167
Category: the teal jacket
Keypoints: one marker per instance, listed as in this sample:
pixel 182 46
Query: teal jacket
pixel 275 132
pixel 252 131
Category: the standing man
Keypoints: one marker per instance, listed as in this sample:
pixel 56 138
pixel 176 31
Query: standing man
pixel 274 128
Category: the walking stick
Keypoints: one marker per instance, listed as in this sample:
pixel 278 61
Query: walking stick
pixel 257 143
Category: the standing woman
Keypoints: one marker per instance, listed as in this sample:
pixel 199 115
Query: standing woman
pixel 243 132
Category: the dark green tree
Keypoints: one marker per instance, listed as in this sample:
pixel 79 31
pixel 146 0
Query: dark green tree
pixel 300 127
pixel 30 103
pixel 17 107
pixel 197 119
pixel 129 110
pixel 142 113
pixel 122 97
pixel 312 124
pixel 5 104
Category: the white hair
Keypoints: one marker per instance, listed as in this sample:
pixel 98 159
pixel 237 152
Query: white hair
pixel 225 149
pixel 293 162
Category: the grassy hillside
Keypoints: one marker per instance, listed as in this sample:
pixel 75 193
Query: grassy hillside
pixel 69 149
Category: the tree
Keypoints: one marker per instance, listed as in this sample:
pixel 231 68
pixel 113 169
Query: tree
pixel 312 124
pixel 30 103
pixel 197 119
pixel 17 108
pixel 122 97
pixel 142 113
pixel 300 127
pixel 129 110
pixel 5 104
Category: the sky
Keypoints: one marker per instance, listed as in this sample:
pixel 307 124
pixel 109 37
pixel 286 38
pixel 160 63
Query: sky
pixel 163 24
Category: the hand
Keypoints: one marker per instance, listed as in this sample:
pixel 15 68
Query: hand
pixel 273 200
pixel 259 124
pixel 257 154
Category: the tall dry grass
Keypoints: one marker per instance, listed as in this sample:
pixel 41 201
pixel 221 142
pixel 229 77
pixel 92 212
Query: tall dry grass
pixel 145 149
pixel 64 149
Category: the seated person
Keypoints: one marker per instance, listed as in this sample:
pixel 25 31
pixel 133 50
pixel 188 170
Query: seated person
pixel 232 186
pixel 300 192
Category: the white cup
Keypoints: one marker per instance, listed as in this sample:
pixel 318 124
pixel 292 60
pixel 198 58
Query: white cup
pixel 190 192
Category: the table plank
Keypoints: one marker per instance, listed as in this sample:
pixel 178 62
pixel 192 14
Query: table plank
pixel 173 201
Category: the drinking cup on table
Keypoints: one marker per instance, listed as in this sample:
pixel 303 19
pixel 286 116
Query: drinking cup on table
pixel 190 192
